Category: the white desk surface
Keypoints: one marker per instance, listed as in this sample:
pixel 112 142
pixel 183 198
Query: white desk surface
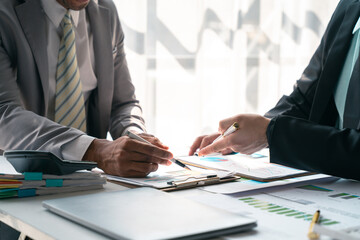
pixel 28 216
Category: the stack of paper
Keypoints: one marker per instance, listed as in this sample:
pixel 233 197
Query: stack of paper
pixel 14 184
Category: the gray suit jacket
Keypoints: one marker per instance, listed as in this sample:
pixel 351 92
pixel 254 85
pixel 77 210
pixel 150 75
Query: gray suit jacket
pixel 24 97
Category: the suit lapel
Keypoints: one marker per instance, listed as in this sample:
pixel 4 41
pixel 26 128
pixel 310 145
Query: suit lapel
pixel 334 62
pixel 32 20
pixel 99 18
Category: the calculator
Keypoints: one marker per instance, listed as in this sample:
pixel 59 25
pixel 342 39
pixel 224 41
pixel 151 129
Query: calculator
pixel 44 162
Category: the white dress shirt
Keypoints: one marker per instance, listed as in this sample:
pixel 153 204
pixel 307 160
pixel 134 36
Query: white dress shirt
pixel 76 149
pixel 55 12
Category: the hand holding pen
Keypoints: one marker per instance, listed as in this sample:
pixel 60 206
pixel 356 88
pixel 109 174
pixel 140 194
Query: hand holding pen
pixel 137 137
pixel 231 129
pixel 247 138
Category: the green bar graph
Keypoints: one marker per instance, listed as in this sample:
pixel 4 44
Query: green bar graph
pixel 285 211
pixel 339 195
pixel 278 210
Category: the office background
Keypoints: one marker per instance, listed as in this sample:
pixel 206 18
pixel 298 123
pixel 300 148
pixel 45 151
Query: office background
pixel 195 62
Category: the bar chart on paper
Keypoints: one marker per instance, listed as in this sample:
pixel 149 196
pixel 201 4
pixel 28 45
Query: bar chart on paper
pixel 339 205
pixel 285 211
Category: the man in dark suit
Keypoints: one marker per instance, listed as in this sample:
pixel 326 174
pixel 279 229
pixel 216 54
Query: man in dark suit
pixel 316 128
pixel 64 83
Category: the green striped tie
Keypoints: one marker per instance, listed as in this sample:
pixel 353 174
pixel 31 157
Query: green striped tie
pixel 69 103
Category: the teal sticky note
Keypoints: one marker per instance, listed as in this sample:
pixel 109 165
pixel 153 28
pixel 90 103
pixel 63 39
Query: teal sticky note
pixel 54 182
pixel 26 192
pixel 33 176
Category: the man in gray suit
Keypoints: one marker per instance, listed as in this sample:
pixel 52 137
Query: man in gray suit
pixel 33 63
pixel 31 33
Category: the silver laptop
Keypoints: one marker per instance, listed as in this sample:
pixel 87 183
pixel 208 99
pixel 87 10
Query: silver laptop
pixel 147 213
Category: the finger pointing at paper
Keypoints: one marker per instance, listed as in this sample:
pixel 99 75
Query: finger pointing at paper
pixel 249 138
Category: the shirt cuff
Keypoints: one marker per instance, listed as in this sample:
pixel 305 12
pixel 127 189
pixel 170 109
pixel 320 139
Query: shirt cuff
pixel 132 128
pixel 75 150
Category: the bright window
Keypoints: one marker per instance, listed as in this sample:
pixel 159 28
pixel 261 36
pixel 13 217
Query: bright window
pixel 195 62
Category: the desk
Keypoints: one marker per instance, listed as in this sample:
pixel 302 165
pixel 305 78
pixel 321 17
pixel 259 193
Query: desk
pixel 28 216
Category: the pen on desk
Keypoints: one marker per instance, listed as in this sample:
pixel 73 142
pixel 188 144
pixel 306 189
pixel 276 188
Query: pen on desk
pixel 311 234
pixel 137 137
pixel 231 129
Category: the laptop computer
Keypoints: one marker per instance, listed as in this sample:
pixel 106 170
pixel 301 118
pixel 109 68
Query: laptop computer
pixel 147 213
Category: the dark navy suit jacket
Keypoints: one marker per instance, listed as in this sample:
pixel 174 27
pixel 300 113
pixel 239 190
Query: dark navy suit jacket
pixel 302 133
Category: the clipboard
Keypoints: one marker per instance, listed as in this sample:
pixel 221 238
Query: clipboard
pixel 173 180
pixel 199 182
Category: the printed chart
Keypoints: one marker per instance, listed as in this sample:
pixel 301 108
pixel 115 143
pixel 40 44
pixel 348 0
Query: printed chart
pixel 285 211
pixel 339 204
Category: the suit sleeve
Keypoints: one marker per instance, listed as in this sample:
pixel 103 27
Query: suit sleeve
pixel 126 111
pixel 23 129
pixel 297 142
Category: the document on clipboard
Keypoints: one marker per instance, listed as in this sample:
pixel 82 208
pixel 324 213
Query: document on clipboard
pixel 170 178
pixel 256 167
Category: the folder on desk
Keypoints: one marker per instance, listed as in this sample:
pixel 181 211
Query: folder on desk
pixel 147 214
pixel 27 184
pixel 172 178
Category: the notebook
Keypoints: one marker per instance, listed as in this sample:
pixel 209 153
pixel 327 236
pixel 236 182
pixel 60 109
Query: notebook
pixel 147 213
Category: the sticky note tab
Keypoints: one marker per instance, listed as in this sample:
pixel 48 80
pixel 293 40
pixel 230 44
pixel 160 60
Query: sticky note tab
pixel 54 182
pixel 11 193
pixel 26 192
pixel 33 176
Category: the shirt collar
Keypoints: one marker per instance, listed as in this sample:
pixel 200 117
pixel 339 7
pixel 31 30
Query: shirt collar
pixel 56 12
pixel 357 26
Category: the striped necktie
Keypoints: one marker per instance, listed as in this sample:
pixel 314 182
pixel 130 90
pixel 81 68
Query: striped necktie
pixel 69 100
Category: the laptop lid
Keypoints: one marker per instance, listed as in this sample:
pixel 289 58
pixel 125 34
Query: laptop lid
pixel 147 213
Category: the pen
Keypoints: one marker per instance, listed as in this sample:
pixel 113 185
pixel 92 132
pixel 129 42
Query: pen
pixel 137 137
pixel 311 234
pixel 231 129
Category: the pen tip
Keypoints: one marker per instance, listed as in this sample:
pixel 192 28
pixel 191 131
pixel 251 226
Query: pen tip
pixel 187 168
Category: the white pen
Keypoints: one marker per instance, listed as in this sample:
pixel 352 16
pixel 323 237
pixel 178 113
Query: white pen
pixel 231 129
pixel 137 137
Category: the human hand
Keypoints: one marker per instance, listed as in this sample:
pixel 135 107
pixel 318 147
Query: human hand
pixel 153 140
pixel 205 140
pixel 249 138
pixel 127 157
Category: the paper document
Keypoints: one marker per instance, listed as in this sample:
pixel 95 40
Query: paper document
pixel 245 186
pixel 287 214
pixel 256 166
pixel 338 202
